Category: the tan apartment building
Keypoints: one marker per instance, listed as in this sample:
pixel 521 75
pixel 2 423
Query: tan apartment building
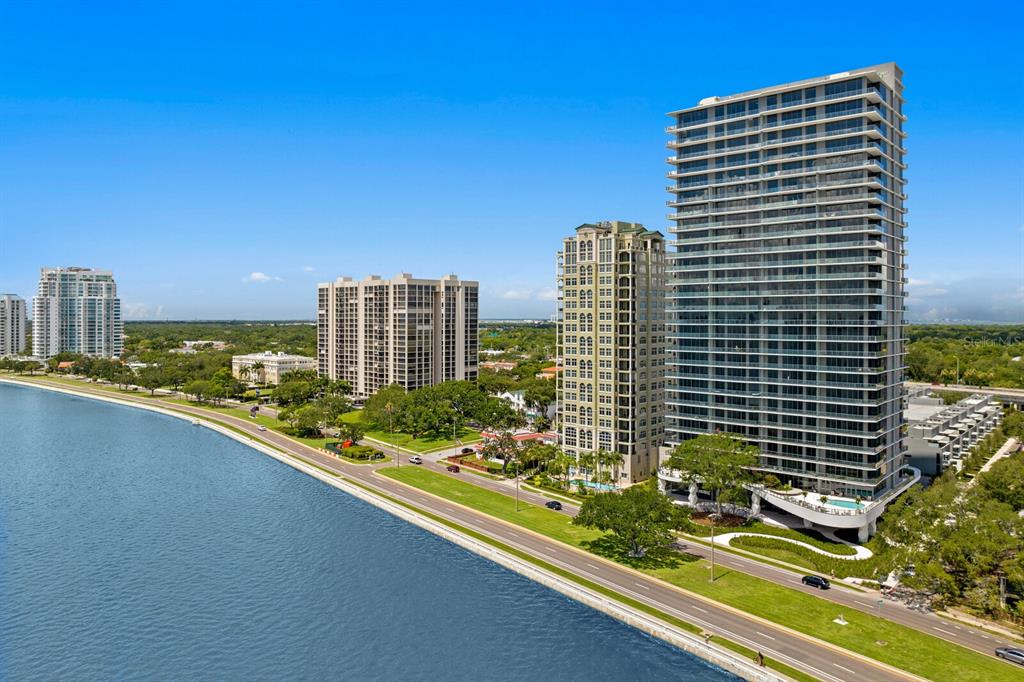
pixel 407 331
pixel 12 325
pixel 611 337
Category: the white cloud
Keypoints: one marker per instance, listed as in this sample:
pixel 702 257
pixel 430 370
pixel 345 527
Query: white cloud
pixel 966 300
pixel 547 294
pixel 308 268
pixel 260 277
pixel 517 294
pixel 141 311
pixel 912 282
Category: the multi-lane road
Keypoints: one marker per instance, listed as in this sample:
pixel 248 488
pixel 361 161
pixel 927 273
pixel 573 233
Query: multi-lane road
pixel 810 655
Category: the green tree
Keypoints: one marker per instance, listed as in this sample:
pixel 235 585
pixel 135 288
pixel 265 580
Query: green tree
pixel 560 466
pixel 538 456
pixel 350 431
pixel 498 415
pixel 539 393
pixel 495 382
pixel 504 447
pixel 306 420
pixel 293 393
pixel 199 389
pixel 229 385
pixel 587 461
pixel 151 378
pixel 333 406
pixel 719 463
pixel 613 461
pixel 640 518
pixel 384 406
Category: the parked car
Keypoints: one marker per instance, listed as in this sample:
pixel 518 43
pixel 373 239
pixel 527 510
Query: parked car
pixel 815 581
pixel 454 468
pixel 468 451
pixel 553 504
pixel 1009 654
pixel 415 459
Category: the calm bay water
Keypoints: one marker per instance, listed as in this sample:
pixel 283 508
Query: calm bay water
pixel 137 546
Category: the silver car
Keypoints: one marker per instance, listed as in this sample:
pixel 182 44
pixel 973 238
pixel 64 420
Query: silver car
pixel 1008 654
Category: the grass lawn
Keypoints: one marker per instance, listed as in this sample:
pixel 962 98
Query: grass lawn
pixel 810 537
pixel 540 519
pixel 406 441
pixel 869 635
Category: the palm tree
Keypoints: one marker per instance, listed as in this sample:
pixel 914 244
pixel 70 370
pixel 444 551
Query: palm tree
pixel 615 460
pixel 257 370
pixel 585 460
pixel 601 458
pixel 245 373
pixel 564 462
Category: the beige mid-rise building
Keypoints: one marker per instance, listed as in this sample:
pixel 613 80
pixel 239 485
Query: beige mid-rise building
pixel 12 325
pixel 611 336
pixel 268 367
pixel 407 331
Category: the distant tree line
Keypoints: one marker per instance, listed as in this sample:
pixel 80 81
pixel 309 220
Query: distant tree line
pixel 977 355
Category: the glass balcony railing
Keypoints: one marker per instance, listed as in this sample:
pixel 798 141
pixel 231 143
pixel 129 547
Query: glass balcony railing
pixel 762 264
pixel 780 106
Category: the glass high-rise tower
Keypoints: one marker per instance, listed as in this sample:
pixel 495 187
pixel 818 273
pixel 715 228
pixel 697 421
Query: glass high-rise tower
pixel 76 310
pixel 785 311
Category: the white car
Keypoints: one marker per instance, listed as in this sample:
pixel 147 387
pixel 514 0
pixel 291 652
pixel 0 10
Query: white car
pixel 415 459
pixel 261 427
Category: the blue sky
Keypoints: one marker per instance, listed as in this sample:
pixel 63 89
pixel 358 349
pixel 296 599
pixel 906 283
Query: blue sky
pixel 222 158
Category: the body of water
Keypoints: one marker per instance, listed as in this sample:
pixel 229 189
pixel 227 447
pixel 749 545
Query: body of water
pixel 137 546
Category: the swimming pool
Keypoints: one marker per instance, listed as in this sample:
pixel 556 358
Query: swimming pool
pixel 594 484
pixel 846 504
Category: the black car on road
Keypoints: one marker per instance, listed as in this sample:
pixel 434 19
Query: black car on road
pixel 553 504
pixel 815 581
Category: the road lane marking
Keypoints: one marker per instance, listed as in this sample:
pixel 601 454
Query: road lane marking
pixel 944 631
pixel 698 608
pixel 864 604
pixel 515 535
pixel 844 668
pixel 596 568
pixel 758 632
pixel 642 586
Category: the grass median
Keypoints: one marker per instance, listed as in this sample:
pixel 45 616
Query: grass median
pixel 406 441
pixel 869 635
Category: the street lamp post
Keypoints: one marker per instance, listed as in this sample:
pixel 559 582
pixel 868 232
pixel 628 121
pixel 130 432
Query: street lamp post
pixel 517 484
pixel 391 430
pixel 712 515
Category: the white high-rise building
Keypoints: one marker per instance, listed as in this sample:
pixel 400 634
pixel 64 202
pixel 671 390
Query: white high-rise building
pixel 12 325
pixel 77 311
pixel 611 338
pixel 412 332
pixel 787 285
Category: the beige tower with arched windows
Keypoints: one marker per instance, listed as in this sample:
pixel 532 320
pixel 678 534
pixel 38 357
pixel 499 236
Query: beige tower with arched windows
pixel 611 338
